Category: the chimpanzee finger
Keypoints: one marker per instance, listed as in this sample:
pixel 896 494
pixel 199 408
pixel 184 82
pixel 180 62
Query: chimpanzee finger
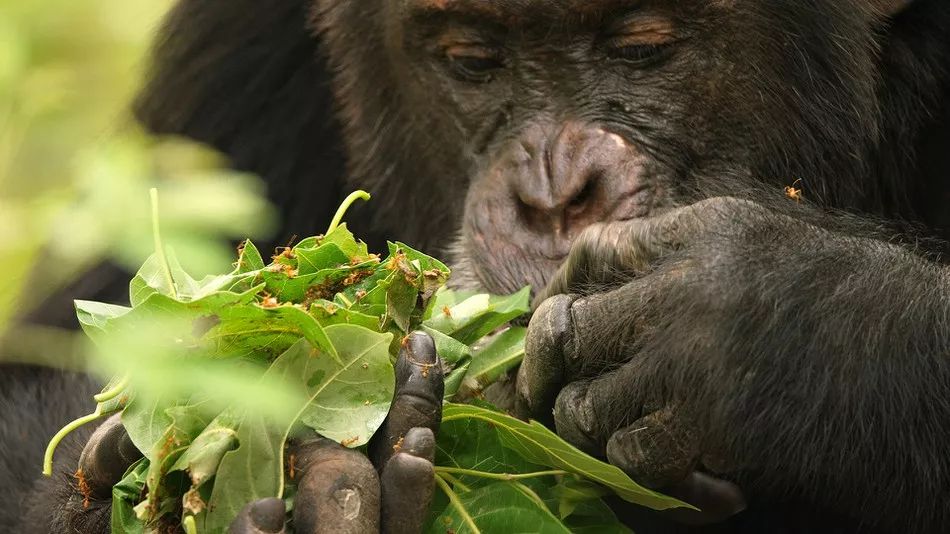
pixel 417 401
pixel 408 482
pixel 571 338
pixel 606 253
pixel 587 413
pixel 338 491
pixel 266 516
pixel 106 457
pixel 658 450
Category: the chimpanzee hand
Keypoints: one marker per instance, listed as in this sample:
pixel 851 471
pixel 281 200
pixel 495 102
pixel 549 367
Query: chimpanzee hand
pixel 659 372
pixel 339 490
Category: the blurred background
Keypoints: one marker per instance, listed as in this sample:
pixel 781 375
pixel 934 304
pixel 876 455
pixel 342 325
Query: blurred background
pixel 75 170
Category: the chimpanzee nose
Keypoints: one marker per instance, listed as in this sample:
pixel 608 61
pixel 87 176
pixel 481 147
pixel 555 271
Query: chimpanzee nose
pixel 574 177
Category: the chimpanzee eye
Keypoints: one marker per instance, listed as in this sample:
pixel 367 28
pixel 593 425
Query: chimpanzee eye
pixel 475 64
pixel 641 38
pixel 640 54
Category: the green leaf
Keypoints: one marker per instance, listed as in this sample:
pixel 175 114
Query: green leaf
pixel 95 316
pixel 250 259
pixel 538 445
pixel 186 422
pixel 401 302
pixel 350 397
pixel 346 402
pixel 454 379
pixel 573 492
pixel 498 507
pixel 594 517
pixel 254 330
pixel 203 456
pixel 343 238
pixel 149 280
pixel 444 299
pixel 327 313
pixel 125 496
pixel 255 469
pixel 146 422
pixel 326 256
pixel 473 444
pixel 448 348
pixel 477 316
pixel 433 274
pixel 489 363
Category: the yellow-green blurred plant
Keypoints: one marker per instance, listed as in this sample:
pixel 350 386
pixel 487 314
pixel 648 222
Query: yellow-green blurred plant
pixel 74 169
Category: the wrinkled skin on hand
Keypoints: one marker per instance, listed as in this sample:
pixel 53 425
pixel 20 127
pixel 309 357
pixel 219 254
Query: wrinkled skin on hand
pixel 339 490
pixel 661 372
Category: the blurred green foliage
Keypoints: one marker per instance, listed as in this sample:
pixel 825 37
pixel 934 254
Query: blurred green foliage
pixel 74 168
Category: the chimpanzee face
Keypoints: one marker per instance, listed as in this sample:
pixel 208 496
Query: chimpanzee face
pixel 555 114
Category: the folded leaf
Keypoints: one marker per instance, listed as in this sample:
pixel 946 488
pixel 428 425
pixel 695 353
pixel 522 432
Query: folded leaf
pixel 535 443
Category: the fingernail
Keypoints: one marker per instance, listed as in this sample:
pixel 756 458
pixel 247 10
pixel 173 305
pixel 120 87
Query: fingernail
pixel 422 348
pixel 418 370
pixel 419 442
pixel 268 515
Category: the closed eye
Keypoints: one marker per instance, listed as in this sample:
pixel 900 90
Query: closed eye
pixel 640 54
pixel 474 63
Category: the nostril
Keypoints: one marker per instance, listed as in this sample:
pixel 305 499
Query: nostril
pixel 585 196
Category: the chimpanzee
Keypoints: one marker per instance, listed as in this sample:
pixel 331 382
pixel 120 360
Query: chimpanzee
pixel 732 213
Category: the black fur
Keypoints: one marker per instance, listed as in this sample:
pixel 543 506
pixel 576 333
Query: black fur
pixel 856 106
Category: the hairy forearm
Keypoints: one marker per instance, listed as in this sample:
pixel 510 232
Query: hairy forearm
pixel 852 384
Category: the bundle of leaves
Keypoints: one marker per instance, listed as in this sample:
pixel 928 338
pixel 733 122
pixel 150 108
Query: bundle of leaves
pixel 318 328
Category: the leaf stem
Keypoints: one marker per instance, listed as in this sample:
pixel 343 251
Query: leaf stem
pixel 159 248
pixel 354 196
pixel 457 504
pixel 65 431
pixel 454 481
pixel 113 392
pixel 498 476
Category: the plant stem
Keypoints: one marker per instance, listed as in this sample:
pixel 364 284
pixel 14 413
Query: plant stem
pixel 189 525
pixel 454 481
pixel 354 196
pixel 159 248
pixel 497 476
pixel 457 504
pixel 113 392
pixel 65 431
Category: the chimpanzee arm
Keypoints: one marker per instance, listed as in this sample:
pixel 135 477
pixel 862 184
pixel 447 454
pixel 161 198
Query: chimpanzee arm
pixel 800 362
pixel 247 78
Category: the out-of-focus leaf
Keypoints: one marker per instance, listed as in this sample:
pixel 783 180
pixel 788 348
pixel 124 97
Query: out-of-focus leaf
pixel 203 456
pixel 94 316
pixel 346 402
pixel 256 331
